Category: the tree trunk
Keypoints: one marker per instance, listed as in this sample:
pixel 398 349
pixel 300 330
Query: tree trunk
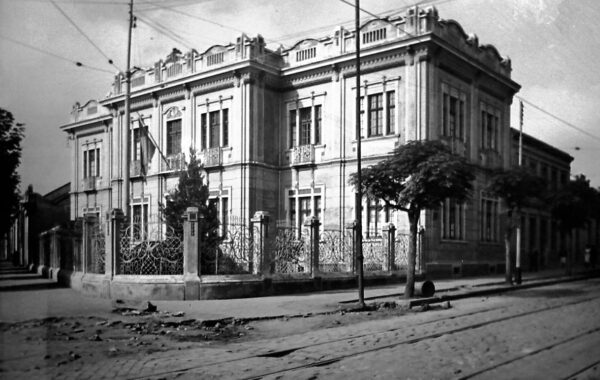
pixel 413 219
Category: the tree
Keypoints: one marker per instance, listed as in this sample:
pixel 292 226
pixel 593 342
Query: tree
pixel 11 135
pixel 517 188
pixel 192 192
pixel 417 176
pixel 573 206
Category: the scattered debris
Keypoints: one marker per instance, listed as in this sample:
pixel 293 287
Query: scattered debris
pixel 178 314
pixel 95 338
pixel 151 308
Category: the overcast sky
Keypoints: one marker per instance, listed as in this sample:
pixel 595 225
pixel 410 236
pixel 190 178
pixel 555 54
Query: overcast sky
pixel 554 46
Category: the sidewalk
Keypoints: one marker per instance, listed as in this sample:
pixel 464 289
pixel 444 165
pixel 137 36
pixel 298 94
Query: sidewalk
pixel 24 296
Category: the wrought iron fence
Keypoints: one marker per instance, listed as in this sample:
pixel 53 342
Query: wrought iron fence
pixel 153 249
pixel 374 254
pixel 232 253
pixel 289 251
pixel 96 248
pixel 335 251
pixel 401 250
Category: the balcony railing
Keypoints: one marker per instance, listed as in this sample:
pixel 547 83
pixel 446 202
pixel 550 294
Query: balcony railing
pixel 302 155
pixel 174 162
pixel 456 145
pixel 89 183
pixel 490 158
pixel 212 157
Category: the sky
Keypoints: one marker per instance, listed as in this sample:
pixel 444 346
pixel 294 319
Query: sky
pixel 554 46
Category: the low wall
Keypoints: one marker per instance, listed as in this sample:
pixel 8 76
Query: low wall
pixel 214 287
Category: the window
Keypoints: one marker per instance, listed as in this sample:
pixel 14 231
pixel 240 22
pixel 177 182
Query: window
pixel 140 221
pixel 453 112
pixel 214 126
pixel 490 124
pixel 453 220
pixel 303 204
pixel 225 114
pixel 173 137
pixel 306 125
pixel 203 131
pixel 305 122
pixel 381 115
pixel 377 215
pixel 317 124
pixel 391 113
pixel 137 145
pixel 375 126
pixel 91 163
pixel 489 218
pixel 220 201
pixel 292 128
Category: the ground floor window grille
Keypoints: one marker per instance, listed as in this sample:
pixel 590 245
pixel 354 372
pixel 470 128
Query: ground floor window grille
pixel 489 218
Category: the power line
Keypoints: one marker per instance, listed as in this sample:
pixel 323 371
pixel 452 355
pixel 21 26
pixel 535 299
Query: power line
pixel 77 63
pixel 568 124
pixel 166 32
pixel 171 9
pixel 110 61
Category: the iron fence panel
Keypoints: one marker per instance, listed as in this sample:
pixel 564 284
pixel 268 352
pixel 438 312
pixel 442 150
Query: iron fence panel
pixel 335 251
pixel 150 251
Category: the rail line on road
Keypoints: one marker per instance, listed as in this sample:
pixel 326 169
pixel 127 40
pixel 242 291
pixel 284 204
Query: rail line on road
pixel 331 360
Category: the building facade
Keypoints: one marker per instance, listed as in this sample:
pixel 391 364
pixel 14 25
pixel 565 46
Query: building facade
pixel 275 129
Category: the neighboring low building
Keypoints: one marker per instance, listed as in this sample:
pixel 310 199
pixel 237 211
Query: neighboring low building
pixel 275 130
pixel 542 242
pixel 37 213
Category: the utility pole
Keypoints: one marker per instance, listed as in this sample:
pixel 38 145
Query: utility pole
pixel 127 123
pixel 518 258
pixel 358 196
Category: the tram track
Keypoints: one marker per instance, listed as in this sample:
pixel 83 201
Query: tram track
pixel 330 360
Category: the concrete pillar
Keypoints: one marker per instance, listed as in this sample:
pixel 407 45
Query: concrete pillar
pixel 389 246
pixel 191 254
pixel 259 257
pixel 115 219
pixel 352 227
pixel 313 244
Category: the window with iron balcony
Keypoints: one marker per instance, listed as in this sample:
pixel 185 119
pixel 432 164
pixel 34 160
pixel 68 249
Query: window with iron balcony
pixel 304 132
pixel 214 135
pixel 91 167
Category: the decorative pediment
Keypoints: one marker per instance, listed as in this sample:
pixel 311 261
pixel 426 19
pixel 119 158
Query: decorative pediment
pixel 173 113
pixel 215 49
pixel 174 56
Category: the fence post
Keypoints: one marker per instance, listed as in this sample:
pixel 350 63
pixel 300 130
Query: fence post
pixel 191 254
pixel 389 246
pixel 352 227
pixel 115 218
pixel 313 256
pixel 260 234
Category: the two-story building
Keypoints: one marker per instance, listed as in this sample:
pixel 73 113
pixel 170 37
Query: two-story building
pixel 275 129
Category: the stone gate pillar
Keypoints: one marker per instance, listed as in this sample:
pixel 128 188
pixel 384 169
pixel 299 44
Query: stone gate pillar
pixel 389 246
pixel 352 227
pixel 115 219
pixel 191 254
pixel 313 245
pixel 259 257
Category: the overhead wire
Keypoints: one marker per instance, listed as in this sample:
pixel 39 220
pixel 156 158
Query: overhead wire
pixel 77 63
pixel 165 31
pixel 110 61
pixel 563 121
